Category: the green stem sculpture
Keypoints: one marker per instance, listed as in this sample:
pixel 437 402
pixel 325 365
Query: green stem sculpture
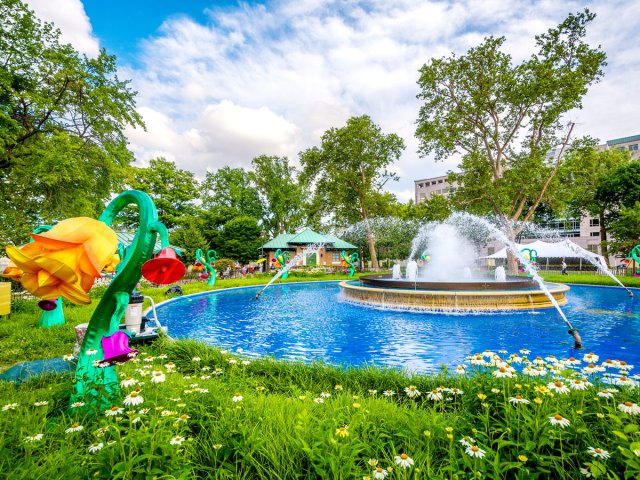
pixel 635 256
pixel 96 385
pixel 209 264
pixel 283 258
pixel 351 260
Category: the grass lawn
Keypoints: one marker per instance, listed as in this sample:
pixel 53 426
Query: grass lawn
pixel 188 410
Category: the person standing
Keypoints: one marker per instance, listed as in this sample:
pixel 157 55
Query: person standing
pixel 564 268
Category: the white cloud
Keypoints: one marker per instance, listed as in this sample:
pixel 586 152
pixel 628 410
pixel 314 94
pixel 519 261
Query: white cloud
pixel 272 78
pixel 69 16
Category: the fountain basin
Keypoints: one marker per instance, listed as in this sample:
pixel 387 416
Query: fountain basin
pixel 459 296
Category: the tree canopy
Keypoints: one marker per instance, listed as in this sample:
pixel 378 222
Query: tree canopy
pixel 62 118
pixel 505 119
pixel 349 170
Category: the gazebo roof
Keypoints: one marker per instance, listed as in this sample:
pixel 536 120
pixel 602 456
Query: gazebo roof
pixel 306 237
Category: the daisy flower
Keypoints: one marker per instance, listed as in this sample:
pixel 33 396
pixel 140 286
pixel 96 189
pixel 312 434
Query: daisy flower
pixel 245 362
pixel 157 376
pixel 559 420
pixel 412 391
pixel 128 382
pixel 68 358
pixel 196 359
pixel 134 398
pixel 373 462
pixel 598 452
pixel 34 438
pixel 183 418
pixel 170 366
pixel 237 397
pixel 388 393
pixel 380 473
pixel 324 395
pixel 474 451
pixel 113 411
pixel 467 441
pixel 630 408
pixel 606 393
pixel 404 460
pixel 434 395
pixel 9 406
pixel 319 400
pixel 580 384
pixel 76 427
pixel 558 387
pixel 504 372
pixel 177 440
pixel 342 432
pixel 91 352
pixel 519 399
pixel 41 403
pixel 93 448
pixel 461 369
pixel 591 357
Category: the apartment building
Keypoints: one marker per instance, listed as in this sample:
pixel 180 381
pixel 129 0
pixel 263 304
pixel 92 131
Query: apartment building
pixel 427 187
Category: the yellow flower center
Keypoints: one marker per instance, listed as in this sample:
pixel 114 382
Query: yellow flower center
pixel 628 404
pixel 474 448
pixel 503 369
pixel 518 397
pixel 558 417
pixel 404 456
pixel 597 450
pixel 134 394
pixel 558 383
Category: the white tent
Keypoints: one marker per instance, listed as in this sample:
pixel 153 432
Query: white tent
pixel 563 249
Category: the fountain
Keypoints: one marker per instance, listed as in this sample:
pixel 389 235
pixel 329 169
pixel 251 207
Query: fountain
pixel 448 283
pixel 500 274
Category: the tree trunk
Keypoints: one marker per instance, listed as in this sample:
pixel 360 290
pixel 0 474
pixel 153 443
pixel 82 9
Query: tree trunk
pixel 603 239
pixel 372 246
pixel 512 261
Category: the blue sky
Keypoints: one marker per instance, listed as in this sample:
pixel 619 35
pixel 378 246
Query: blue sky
pixel 122 24
pixel 221 82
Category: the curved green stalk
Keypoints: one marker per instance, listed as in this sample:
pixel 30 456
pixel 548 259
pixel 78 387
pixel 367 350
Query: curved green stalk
pixel 94 385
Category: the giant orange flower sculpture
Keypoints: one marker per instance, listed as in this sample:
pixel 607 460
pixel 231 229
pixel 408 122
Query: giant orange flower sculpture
pixel 65 260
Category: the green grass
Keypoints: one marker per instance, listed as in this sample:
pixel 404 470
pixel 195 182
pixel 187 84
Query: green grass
pixel 314 421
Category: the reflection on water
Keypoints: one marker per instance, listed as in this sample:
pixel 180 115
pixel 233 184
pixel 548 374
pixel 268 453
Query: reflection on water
pixel 312 322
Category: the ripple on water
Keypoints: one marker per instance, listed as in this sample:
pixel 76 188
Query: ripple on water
pixel 311 322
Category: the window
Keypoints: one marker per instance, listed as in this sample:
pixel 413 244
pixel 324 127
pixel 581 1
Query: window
pixel 594 222
pixel 491 250
pixel 335 257
pixel 420 185
pixel 634 147
pixel 594 234
pixel 592 248
pixel 433 183
pixel 440 181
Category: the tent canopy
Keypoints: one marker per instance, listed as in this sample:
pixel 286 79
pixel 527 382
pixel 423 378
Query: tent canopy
pixel 563 249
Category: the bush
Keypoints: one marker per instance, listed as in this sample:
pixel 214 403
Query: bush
pixel 223 263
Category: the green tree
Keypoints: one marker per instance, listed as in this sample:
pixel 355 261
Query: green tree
pixel 505 119
pixel 172 189
pixel 189 238
pixel 584 169
pixel 437 208
pixel 240 239
pixel 349 170
pixel 280 192
pixel 620 193
pixel 62 120
pixel 625 230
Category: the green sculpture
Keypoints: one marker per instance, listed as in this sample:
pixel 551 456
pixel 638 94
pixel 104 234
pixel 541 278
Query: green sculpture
pixel 209 264
pixel 282 258
pixel 95 383
pixel 350 260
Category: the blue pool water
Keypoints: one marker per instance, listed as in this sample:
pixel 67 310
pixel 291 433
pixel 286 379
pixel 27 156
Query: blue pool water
pixel 311 322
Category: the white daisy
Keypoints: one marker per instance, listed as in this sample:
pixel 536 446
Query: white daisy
pixel 559 420
pixel 598 452
pixel 177 440
pixel 324 395
pixel 196 359
pixel 128 382
pixel 630 408
pixel 591 357
pixel 519 399
pixel 580 384
pixel 412 391
pixel 319 400
pixel 474 451
pixel 34 438
pixel 388 393
pixel 113 411
pixel 237 397
pixel 76 427
pixel 41 403
pixel 90 352
pixel 434 395
pixel 558 387
pixel 380 473
pixel 134 398
pixel 95 447
pixel 467 441
pixel 9 406
pixel 68 358
pixel 403 460
pixel 157 376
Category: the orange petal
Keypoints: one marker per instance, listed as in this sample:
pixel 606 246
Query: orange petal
pixel 22 261
pixel 12 272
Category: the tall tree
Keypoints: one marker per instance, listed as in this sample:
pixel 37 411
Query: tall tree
pixel 62 120
pixel 620 193
pixel 172 189
pixel 349 170
pixel 280 193
pixel 241 239
pixel 584 169
pixel 505 119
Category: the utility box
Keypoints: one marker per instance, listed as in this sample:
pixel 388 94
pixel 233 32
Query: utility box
pixel 5 298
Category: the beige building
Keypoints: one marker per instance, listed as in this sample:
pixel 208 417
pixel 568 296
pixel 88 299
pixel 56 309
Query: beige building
pixel 624 143
pixel 427 187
